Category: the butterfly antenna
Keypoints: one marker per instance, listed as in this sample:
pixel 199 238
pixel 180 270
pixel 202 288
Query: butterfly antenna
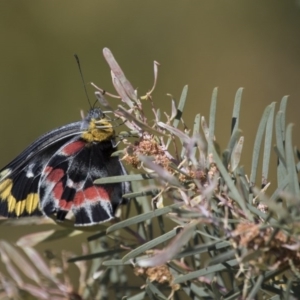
pixel 81 75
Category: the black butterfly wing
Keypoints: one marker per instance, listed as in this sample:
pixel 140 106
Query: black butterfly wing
pixel 56 174
pixel 19 180
pixel 67 182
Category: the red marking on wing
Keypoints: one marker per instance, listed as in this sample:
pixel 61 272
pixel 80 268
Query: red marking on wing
pixel 63 204
pixel 54 175
pixel 72 148
pixel 78 198
pixel 92 193
pixel 58 190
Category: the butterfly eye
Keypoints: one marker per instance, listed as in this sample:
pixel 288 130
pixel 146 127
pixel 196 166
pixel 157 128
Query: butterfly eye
pixel 96 114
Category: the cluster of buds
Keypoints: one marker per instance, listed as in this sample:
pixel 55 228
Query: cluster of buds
pixel 147 145
pixel 273 246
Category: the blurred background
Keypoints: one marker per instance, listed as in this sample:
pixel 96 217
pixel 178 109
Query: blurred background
pixel 229 44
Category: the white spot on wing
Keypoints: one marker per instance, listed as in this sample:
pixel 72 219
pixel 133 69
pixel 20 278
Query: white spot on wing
pixel 75 185
pixel 29 172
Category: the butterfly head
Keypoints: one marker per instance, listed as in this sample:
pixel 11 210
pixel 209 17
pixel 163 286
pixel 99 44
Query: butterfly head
pixel 97 127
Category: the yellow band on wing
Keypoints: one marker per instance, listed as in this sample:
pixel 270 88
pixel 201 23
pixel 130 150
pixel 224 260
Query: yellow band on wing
pixel 28 205
pixel 5 188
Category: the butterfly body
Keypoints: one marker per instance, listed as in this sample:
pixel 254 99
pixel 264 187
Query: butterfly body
pixel 56 174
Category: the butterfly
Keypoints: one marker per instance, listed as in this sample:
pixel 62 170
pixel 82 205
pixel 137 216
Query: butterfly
pixel 56 174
